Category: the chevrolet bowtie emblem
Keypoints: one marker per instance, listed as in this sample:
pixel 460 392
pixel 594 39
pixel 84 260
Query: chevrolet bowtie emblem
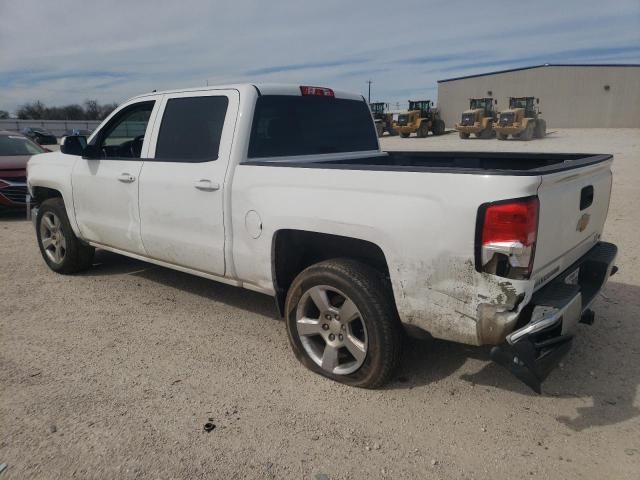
pixel 583 222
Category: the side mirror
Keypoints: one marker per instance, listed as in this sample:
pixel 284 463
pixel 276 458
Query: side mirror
pixel 73 145
pixel 92 152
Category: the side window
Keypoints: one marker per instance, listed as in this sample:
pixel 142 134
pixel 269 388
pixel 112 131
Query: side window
pixel 191 129
pixel 123 136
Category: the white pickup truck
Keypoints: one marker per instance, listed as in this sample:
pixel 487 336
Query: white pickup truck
pixel 284 190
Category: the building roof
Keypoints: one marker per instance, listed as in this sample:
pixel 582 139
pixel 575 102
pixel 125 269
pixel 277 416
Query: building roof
pixel 542 66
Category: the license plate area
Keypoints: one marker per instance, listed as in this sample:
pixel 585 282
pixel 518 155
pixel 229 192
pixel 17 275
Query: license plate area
pixel 573 277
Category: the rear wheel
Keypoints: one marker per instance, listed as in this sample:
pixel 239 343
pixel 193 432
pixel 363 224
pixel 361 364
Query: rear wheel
pixel 527 133
pixel 438 127
pixel 342 323
pixel 61 249
pixel 541 128
pixel 463 135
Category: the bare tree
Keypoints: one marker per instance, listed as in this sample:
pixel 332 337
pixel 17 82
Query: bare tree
pixel 90 110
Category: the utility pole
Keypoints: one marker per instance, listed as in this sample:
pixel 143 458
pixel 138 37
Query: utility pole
pixel 369 82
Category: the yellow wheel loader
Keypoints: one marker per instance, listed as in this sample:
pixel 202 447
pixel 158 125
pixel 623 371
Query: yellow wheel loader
pixel 421 118
pixel 478 119
pixel 382 118
pixel 521 120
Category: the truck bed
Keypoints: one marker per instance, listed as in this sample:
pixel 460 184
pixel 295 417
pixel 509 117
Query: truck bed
pixel 493 163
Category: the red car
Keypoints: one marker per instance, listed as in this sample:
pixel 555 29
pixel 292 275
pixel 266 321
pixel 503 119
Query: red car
pixel 15 151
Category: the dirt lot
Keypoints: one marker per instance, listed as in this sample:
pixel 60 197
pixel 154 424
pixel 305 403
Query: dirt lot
pixel 112 374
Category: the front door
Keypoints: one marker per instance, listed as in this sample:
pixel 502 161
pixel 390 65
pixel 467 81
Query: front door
pixel 105 189
pixel 182 184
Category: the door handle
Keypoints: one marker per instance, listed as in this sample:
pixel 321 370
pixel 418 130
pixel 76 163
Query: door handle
pixel 126 178
pixel 207 185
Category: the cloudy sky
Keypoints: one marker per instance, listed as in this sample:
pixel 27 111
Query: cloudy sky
pixel 66 51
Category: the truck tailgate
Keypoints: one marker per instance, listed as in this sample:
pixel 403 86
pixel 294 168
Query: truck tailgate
pixel 573 209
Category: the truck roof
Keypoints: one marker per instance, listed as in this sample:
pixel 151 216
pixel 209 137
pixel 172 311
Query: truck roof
pixel 262 88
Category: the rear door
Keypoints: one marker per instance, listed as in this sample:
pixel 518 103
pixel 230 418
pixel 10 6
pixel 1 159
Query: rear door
pixel 181 185
pixel 573 210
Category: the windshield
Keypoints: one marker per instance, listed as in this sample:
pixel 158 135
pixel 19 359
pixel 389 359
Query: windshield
pixel 480 103
pixel 11 145
pixel 520 103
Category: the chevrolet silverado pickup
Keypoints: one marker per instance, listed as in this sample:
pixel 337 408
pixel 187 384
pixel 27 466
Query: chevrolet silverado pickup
pixel 284 190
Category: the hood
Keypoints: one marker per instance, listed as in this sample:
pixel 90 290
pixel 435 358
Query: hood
pixel 14 162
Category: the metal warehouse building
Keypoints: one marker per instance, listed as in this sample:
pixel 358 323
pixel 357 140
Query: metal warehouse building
pixel 579 96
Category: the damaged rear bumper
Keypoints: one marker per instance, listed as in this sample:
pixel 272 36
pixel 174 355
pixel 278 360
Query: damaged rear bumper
pixel 549 322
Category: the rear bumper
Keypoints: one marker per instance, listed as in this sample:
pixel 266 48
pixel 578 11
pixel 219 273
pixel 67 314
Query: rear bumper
pixel 549 322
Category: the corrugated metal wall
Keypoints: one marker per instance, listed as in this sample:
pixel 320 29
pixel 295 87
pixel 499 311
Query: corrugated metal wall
pixel 570 96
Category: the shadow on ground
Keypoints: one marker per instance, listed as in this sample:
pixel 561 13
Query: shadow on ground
pixel 107 263
pixel 426 361
pixel 13 215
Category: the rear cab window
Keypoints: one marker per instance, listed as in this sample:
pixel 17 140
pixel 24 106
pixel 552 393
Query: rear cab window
pixel 289 125
pixel 191 129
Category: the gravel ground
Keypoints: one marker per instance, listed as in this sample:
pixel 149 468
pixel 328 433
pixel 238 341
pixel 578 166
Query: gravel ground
pixel 112 374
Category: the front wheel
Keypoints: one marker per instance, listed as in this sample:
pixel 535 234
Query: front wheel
pixel 342 323
pixel 404 135
pixel 463 135
pixel 61 249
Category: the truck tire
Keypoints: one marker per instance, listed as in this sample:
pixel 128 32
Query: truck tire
pixel 486 134
pixel 342 323
pixel 527 133
pixel 463 135
pixel 423 130
pixel 438 127
pixel 502 136
pixel 379 129
pixel 404 135
pixel 62 251
pixel 541 128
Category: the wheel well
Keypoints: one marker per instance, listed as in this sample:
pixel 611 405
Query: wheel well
pixel 40 194
pixel 295 250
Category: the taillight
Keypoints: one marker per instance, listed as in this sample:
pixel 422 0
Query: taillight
pixel 507 237
pixel 317 91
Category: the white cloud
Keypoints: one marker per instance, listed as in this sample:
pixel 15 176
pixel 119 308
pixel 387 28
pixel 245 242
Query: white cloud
pixel 66 51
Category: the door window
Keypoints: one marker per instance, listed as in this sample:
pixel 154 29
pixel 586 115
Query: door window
pixel 191 129
pixel 123 136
